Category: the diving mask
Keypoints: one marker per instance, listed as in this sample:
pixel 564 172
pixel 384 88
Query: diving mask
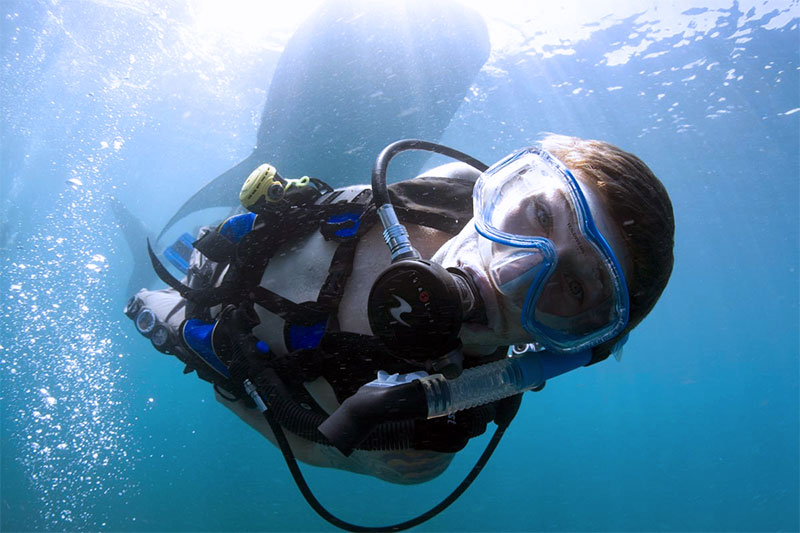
pixel 545 254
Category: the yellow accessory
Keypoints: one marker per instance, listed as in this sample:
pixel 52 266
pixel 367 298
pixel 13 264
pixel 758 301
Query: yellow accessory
pixel 264 184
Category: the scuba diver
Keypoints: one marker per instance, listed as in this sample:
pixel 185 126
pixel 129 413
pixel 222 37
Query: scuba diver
pixel 377 330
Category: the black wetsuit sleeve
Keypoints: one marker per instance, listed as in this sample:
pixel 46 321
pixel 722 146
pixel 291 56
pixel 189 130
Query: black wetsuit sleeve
pixel 443 203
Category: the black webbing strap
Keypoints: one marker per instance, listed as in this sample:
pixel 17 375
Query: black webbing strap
pixel 164 274
pixel 216 247
pixel 203 297
pixel 306 314
pixel 338 273
pixel 303 314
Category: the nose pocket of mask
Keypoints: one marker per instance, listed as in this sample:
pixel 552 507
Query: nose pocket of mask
pixel 514 273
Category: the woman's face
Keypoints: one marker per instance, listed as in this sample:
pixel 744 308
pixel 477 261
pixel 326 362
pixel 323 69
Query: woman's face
pixel 578 287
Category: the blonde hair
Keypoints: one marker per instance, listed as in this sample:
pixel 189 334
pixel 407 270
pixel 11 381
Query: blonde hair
pixel 640 207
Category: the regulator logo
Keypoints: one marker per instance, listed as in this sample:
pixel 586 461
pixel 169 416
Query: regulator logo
pixel 404 307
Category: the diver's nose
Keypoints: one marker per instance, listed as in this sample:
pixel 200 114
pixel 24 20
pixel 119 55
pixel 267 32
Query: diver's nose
pixel 514 273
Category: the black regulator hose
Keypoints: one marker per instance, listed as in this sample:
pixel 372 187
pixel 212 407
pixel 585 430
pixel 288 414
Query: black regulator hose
pixel 507 409
pixel 386 436
pixel 379 191
pixel 279 409
pixel 394 233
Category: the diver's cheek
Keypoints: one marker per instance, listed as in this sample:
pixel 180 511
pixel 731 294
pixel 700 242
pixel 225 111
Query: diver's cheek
pixel 514 332
pixel 463 248
pixel 552 300
pixel 505 321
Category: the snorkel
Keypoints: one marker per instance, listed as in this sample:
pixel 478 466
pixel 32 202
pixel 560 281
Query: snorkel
pixel 417 308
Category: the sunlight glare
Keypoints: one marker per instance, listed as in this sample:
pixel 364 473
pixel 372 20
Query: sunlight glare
pixel 542 28
pixel 249 23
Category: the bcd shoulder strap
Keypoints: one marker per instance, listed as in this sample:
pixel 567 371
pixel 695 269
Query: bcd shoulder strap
pixel 242 246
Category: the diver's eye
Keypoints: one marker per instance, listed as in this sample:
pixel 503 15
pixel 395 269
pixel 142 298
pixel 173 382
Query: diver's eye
pixel 575 289
pixel 543 216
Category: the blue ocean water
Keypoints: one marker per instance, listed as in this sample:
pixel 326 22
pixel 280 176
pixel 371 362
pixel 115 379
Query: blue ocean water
pixel 696 429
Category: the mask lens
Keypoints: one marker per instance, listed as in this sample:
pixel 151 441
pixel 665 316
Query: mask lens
pixel 526 204
pixel 547 256
pixel 514 273
pixel 576 324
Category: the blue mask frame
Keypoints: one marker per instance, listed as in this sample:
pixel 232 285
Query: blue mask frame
pixel 553 339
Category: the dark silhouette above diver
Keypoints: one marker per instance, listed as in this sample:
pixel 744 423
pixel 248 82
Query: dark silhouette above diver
pixel 354 77
pixel 349 81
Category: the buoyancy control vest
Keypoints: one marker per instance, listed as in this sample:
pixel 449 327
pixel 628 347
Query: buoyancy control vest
pixel 224 284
